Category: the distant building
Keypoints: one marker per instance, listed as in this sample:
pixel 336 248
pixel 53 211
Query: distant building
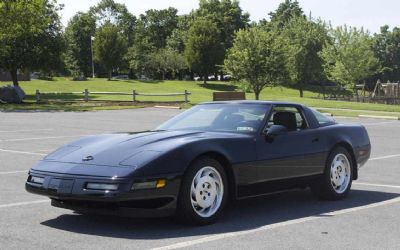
pixel 6 77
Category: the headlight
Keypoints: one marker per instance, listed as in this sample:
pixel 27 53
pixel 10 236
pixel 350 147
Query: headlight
pixel 102 186
pixel 149 184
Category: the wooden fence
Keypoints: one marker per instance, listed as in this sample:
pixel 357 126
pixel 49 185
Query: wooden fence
pixel 86 95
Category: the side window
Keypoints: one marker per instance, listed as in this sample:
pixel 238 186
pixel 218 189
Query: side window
pixel 322 119
pixel 290 117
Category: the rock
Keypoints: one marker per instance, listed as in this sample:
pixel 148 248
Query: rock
pixel 11 94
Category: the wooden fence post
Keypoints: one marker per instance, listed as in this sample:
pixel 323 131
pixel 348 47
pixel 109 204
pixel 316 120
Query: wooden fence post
pixel 37 96
pixel 86 98
pixel 134 96
pixel 186 96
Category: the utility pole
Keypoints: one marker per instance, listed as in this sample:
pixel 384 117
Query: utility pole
pixel 91 48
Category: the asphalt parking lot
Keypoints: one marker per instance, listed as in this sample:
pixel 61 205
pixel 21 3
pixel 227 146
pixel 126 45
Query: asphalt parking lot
pixel 368 219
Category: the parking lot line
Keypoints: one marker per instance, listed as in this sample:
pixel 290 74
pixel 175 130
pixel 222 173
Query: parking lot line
pixel 20 152
pixel 380 123
pixel 23 203
pixel 25 130
pixel 384 157
pixel 41 138
pixel 14 172
pixel 215 237
pixel 376 185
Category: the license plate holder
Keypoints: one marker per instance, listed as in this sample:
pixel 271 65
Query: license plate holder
pixel 61 186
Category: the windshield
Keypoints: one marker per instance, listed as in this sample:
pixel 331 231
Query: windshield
pixel 241 118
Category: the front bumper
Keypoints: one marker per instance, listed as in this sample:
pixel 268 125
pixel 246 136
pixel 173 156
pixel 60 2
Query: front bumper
pixel 70 192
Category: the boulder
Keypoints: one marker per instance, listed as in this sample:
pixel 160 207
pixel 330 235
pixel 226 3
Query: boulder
pixel 11 94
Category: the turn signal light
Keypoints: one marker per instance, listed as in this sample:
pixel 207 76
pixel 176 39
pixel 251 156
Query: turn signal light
pixel 149 184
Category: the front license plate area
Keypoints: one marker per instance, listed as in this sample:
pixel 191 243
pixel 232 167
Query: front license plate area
pixel 61 186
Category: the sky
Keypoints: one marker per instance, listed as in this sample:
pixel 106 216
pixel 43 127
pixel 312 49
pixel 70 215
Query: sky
pixel 370 14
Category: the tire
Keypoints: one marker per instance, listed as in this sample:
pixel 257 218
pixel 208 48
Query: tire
pixel 204 192
pixel 336 181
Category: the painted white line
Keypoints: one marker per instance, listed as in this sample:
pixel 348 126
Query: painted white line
pixel 380 123
pixel 389 117
pixel 14 172
pixel 25 130
pixel 23 203
pixel 273 226
pixel 44 150
pixel 21 152
pixel 42 138
pixel 384 157
pixel 375 185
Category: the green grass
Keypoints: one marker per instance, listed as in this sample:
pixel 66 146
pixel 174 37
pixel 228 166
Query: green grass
pixel 199 93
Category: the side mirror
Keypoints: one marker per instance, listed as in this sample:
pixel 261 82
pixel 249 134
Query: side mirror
pixel 275 130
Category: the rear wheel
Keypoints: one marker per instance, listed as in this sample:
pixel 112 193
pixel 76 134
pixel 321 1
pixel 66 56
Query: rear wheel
pixel 204 192
pixel 336 181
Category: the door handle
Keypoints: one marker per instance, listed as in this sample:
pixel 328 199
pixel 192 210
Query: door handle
pixel 315 140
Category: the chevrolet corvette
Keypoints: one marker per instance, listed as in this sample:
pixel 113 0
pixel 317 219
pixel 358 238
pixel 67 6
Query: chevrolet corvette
pixel 192 165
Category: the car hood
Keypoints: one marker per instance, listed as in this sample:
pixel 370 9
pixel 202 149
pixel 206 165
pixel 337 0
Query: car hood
pixel 116 149
pixel 119 154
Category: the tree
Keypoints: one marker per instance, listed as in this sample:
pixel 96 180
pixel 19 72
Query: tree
pixel 30 36
pixel 256 58
pixel 286 11
pixel 109 47
pixel 78 35
pixel 164 61
pixel 348 57
pixel 158 25
pixel 303 41
pixel 176 41
pixel 229 18
pixel 204 48
pixel 108 11
pixel 137 54
pixel 387 50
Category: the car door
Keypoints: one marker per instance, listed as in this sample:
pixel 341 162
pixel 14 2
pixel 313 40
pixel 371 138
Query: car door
pixel 295 153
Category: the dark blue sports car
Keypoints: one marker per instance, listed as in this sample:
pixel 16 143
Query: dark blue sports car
pixel 193 164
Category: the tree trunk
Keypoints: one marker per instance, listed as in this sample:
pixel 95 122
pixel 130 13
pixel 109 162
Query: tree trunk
pixel 301 91
pixel 222 76
pixel 130 75
pixel 205 78
pixel 356 92
pixel 257 94
pixel 14 77
pixel 109 75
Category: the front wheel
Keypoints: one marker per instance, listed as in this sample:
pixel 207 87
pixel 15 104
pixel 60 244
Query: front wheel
pixel 336 181
pixel 204 192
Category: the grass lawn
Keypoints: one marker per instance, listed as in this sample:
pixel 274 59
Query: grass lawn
pixel 199 93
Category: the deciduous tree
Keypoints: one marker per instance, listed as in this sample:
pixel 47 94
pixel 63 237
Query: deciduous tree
pixel 109 47
pixel 229 18
pixel 30 36
pixel 387 50
pixel 204 49
pixel 78 33
pixel 303 41
pixel 256 58
pixel 349 57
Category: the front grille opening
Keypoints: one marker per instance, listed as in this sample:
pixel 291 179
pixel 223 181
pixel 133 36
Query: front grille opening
pixel 141 204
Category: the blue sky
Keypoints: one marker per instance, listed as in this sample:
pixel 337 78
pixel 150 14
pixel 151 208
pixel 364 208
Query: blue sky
pixel 370 14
